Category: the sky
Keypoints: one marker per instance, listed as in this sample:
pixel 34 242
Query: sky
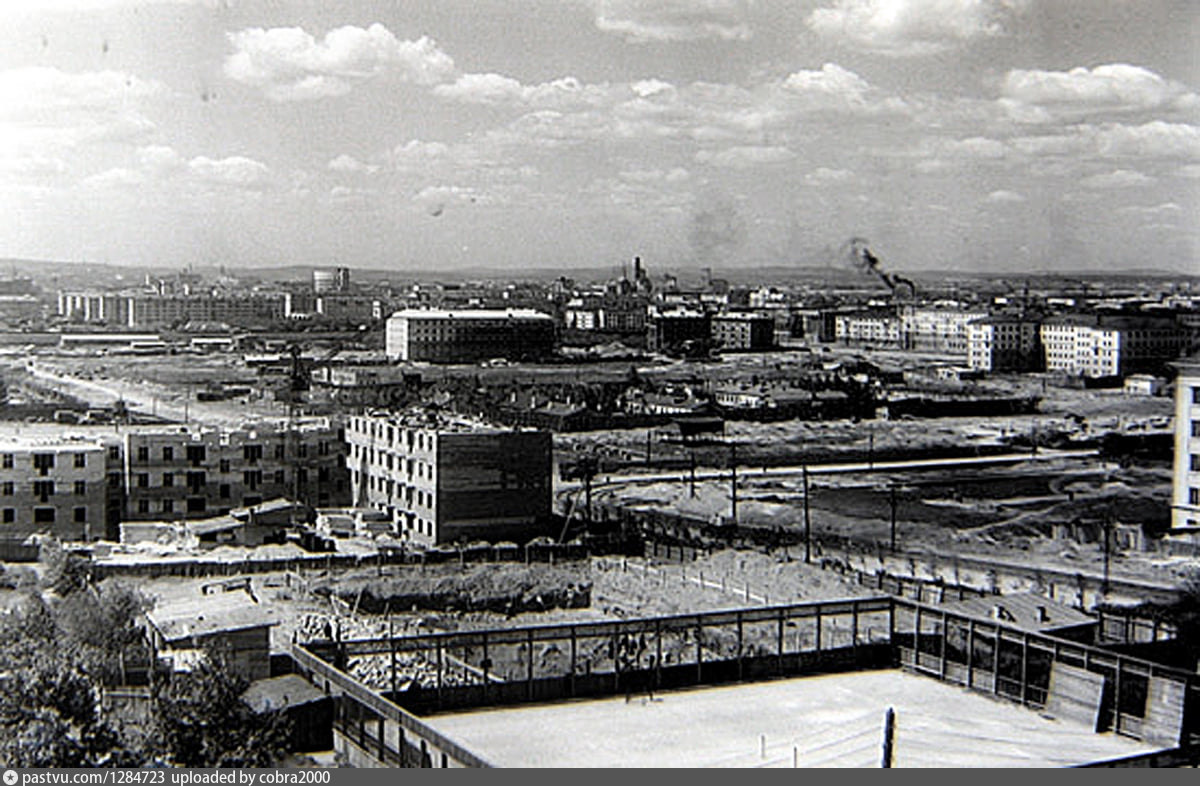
pixel 960 135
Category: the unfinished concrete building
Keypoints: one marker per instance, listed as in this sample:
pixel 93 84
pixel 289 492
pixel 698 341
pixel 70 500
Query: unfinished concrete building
pixel 446 480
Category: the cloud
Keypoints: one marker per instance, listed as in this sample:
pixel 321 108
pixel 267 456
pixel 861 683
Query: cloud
pixel 645 21
pixel 232 171
pixel 744 156
pixel 289 64
pixel 973 147
pixel 907 28
pixel 675 175
pixel 351 165
pixel 31 93
pixel 1048 96
pixel 1119 178
pixel 1160 212
pixel 1003 197
pixel 1154 140
pixel 825 176
pixel 498 90
pixel 832 81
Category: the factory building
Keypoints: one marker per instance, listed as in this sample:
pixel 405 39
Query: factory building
pixel 449 480
pixel 53 486
pixel 465 336
pixel 186 472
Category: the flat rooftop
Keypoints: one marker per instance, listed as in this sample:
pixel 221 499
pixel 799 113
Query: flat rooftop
pixel 829 721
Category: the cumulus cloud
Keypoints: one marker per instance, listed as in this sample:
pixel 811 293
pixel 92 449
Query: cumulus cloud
pixel 289 64
pixel 832 81
pixel 498 90
pixel 1119 178
pixel 644 21
pixel 1157 139
pixel 232 171
pixel 1003 197
pixel 744 156
pixel 1047 96
pixel 350 165
pixel 912 27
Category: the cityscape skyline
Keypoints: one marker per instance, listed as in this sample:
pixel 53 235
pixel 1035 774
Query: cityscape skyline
pixel 964 135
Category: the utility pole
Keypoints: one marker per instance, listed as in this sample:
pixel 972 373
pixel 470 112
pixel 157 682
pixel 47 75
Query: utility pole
pixel 1107 552
pixel 692 477
pixel 807 518
pixel 649 431
pixel 889 738
pixel 892 499
pixel 733 480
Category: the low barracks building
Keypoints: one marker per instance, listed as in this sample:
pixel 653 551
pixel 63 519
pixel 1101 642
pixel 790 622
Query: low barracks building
pixel 467 336
pixel 444 480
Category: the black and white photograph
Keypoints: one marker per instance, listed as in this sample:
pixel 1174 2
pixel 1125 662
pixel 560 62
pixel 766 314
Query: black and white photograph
pixel 597 384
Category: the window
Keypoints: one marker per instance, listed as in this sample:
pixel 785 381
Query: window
pixel 196 454
pixel 43 462
pixel 43 515
pixel 168 479
pixel 280 477
pixel 43 489
pixel 1194 496
pixel 224 491
pixel 143 506
pixel 195 504
pixel 114 452
pixel 143 453
pixel 80 460
pixel 80 515
pixel 252 479
pixel 1195 397
pixel 1195 463
pixel 1196 428
pixel 302 448
pixel 10 515
pixel 8 461
pixel 143 480
pixel 279 451
pixel 252 453
pixel 302 475
pixel 80 488
pixel 9 488
pixel 223 466
pixel 168 506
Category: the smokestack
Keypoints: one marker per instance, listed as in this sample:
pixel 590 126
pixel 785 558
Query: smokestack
pixel 637 268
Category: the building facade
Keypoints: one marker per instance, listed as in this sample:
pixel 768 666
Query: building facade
pixel 1004 344
pixel 445 480
pixel 187 472
pixel 55 487
pixel 1110 346
pixel 877 328
pixel 439 336
pixel 1185 486
pixel 746 332
pixel 669 329
pixel 937 329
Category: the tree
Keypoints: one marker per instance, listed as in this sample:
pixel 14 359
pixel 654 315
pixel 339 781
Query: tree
pixel 65 572
pixel 200 720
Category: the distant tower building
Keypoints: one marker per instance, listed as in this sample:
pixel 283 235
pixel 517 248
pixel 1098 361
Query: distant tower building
pixel 336 280
pixel 341 279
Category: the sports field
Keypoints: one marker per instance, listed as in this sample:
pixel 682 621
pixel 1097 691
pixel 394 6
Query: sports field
pixel 826 721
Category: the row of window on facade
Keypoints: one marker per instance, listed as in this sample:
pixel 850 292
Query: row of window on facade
pixel 45 515
pixel 252 478
pixel 250 453
pixel 42 489
pixel 42 461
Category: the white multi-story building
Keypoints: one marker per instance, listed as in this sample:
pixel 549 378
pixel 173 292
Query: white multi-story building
pixel 1004 343
pixel 467 336
pixel 868 327
pixel 447 480
pixel 1110 346
pixel 937 329
pixel 1185 488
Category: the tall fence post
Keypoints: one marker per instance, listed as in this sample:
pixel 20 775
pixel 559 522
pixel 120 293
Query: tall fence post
pixel 889 738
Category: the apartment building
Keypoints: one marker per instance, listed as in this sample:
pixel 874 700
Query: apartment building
pixel 744 331
pixel 202 471
pixel 940 329
pixel 672 328
pixel 1000 344
pixel 53 486
pixel 146 309
pixel 877 328
pixel 1185 488
pixel 466 336
pixel 446 480
pixel 1095 345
